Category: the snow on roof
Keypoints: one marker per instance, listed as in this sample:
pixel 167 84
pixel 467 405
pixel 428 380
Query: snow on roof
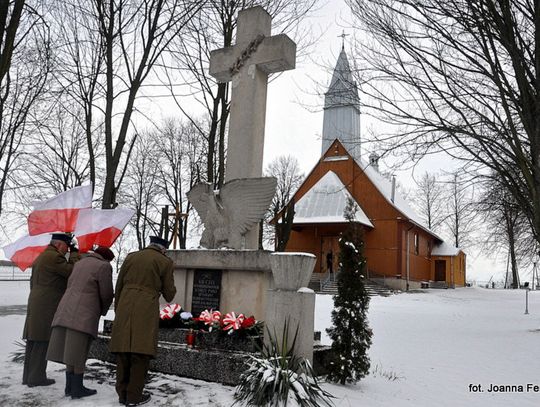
pixel 385 188
pixel 325 203
pixel 445 249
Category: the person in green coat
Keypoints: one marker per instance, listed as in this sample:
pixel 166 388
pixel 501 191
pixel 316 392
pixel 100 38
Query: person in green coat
pixel 50 273
pixel 144 275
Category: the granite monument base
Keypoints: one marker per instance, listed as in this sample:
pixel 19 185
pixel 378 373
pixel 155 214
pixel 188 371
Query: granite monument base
pixel 212 365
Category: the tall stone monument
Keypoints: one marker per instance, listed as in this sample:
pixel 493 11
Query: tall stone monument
pixel 253 282
pixel 247 65
pixel 269 286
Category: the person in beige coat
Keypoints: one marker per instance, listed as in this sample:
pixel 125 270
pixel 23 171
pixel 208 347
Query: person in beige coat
pixel 50 273
pixel 144 275
pixel 89 294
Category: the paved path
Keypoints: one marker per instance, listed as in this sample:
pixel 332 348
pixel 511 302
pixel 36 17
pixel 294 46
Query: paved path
pixel 12 310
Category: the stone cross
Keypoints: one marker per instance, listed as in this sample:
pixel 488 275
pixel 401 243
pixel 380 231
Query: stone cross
pixel 248 64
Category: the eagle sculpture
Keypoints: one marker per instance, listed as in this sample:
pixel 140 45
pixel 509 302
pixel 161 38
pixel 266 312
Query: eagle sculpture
pixel 228 214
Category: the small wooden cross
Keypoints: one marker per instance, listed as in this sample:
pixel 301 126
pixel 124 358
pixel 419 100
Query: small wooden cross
pixel 164 226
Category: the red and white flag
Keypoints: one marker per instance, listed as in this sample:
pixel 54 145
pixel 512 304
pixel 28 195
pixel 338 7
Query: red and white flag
pixel 59 214
pixel 25 250
pixel 100 226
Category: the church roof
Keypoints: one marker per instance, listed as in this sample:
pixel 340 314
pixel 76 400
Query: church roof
pixel 385 188
pixel 445 249
pixel 325 203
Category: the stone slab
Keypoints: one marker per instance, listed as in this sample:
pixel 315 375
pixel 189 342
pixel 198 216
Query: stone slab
pixel 213 366
pixel 241 260
pixel 172 358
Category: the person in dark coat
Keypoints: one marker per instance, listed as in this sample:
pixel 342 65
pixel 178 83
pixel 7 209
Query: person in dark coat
pixel 50 272
pixel 330 261
pixel 89 294
pixel 143 276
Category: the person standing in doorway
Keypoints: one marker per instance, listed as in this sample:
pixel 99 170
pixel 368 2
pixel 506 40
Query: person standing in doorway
pixel 50 273
pixel 89 294
pixel 330 262
pixel 143 276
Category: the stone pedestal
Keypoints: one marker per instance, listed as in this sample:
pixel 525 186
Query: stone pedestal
pixel 291 301
pixel 292 271
pixel 298 309
pixel 245 278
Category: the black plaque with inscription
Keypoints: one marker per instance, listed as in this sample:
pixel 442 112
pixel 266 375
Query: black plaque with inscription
pixel 206 291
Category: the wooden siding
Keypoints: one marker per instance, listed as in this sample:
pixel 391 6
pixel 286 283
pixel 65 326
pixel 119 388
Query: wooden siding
pixel 385 243
pixel 456 272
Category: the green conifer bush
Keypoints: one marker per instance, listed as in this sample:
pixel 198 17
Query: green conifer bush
pixel 350 332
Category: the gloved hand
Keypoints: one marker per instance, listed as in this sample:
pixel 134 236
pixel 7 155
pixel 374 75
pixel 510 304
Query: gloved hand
pixel 74 245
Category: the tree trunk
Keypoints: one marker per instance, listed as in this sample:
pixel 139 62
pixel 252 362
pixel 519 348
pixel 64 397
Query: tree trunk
pixel 283 230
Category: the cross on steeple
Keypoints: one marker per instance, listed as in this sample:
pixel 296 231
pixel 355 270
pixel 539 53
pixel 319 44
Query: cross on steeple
pixel 343 35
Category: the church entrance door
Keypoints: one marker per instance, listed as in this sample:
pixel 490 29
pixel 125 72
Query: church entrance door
pixel 440 270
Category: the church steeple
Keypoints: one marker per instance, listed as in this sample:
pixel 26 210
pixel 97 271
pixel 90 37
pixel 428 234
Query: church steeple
pixel 342 109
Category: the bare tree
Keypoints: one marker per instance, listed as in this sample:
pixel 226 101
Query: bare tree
pixel 289 178
pixel 460 221
pixel 182 153
pixel 429 200
pixel 80 54
pixel 141 190
pixel 214 28
pixel 286 170
pixel 117 45
pixel 506 227
pixel 459 76
pixel 58 157
pixel 10 17
pixel 25 62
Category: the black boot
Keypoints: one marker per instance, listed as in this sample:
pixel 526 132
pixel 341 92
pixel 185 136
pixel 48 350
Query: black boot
pixel 67 390
pixel 77 388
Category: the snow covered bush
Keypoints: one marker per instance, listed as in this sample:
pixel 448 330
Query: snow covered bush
pixel 17 355
pixel 279 378
pixel 350 332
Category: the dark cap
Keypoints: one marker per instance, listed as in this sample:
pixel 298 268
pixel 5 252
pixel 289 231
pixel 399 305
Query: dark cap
pixel 105 252
pixel 160 241
pixel 64 237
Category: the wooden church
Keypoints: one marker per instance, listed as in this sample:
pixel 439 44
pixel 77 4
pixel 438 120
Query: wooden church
pixel 401 251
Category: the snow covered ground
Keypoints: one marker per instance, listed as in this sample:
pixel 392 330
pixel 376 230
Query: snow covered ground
pixel 428 349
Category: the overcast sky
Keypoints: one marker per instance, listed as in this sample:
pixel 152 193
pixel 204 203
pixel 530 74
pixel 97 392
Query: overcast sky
pixel 294 119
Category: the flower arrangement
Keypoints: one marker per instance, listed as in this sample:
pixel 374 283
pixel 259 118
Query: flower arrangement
pixel 230 322
pixel 173 316
pixel 210 318
pixel 169 311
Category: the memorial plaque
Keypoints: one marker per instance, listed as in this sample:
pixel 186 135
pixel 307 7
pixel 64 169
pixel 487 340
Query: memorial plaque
pixel 206 291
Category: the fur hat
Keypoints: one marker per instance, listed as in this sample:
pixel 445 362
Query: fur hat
pixel 105 252
pixel 64 237
pixel 159 241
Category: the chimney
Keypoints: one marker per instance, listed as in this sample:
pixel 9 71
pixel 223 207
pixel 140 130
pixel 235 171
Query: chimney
pixel 374 161
pixel 393 197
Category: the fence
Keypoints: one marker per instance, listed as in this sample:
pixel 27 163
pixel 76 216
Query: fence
pixel 10 272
